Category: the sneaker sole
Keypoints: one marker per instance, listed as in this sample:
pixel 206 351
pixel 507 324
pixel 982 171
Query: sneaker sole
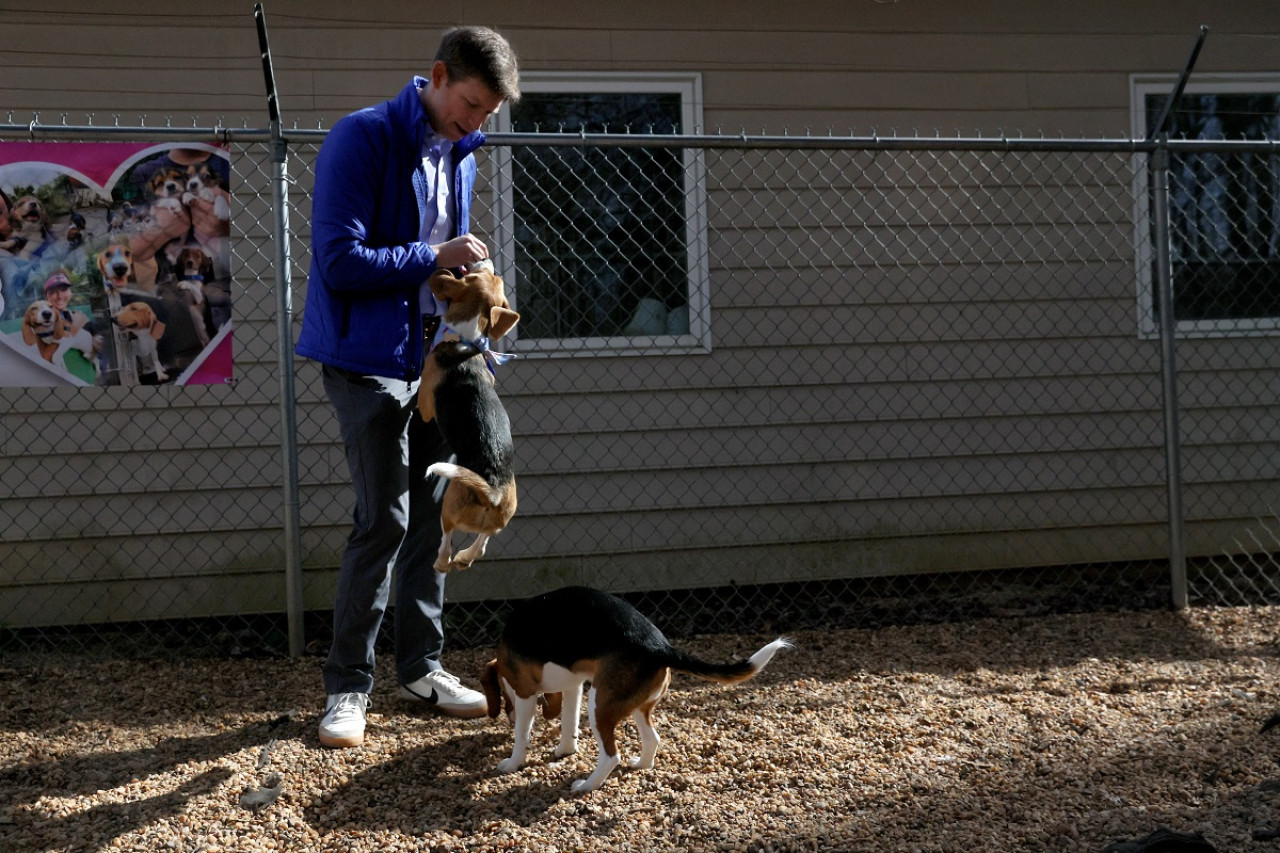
pixel 341 742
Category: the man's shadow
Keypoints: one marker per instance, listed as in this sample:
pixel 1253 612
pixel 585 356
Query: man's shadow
pixel 71 776
pixel 93 828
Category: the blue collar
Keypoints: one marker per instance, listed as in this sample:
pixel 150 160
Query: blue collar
pixel 491 358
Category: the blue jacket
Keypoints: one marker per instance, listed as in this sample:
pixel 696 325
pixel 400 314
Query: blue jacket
pixel 367 263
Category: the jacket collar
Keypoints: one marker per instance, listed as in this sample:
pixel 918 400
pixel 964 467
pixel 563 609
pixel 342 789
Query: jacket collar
pixel 417 115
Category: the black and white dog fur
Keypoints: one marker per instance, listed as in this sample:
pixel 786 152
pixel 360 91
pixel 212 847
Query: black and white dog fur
pixel 554 643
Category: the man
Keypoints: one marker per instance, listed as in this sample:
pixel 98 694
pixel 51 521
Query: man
pixel 392 204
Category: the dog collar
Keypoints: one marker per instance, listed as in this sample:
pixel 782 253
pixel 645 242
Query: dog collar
pixel 493 359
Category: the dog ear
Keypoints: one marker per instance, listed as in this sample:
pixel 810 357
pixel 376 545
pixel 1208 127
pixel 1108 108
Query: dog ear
pixel 157 329
pixel 443 284
pixel 492 689
pixel 28 334
pixel 501 321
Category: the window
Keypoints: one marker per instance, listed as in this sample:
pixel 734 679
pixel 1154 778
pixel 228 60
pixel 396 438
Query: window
pixel 1224 208
pixel 609 243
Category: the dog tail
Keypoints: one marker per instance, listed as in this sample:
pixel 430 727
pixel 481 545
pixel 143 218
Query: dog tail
pixel 727 673
pixel 468 478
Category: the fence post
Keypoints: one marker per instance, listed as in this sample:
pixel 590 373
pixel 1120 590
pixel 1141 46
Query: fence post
pixel 1159 166
pixel 1159 174
pixel 284 333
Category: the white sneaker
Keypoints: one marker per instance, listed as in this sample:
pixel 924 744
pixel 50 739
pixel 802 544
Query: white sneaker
pixel 343 720
pixel 446 694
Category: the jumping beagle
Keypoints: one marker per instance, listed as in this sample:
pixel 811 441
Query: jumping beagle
pixel 556 641
pixel 457 392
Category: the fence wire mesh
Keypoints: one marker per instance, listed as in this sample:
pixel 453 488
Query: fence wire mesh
pixel 763 387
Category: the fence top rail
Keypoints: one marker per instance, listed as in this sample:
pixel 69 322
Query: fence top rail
pixel 35 131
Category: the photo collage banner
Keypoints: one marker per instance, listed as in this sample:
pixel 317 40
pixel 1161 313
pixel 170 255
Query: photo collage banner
pixel 115 264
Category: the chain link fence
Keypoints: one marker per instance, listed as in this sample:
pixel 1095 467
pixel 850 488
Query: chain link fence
pixel 765 384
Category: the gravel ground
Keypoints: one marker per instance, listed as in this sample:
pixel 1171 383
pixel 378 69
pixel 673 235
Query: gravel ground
pixel 1061 733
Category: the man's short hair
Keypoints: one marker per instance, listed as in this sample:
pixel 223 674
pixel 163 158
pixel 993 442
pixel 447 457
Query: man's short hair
pixel 481 52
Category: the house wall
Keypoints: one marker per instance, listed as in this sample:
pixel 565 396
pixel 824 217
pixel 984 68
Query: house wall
pixel 657 472
pixel 852 67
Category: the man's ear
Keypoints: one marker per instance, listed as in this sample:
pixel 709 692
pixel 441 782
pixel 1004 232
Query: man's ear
pixel 439 74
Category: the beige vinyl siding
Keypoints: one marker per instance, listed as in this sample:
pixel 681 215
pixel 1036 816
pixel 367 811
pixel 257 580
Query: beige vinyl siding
pixel 686 471
pixel 855 66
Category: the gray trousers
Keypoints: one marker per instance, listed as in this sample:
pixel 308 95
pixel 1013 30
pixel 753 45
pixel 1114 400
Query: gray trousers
pixel 395 532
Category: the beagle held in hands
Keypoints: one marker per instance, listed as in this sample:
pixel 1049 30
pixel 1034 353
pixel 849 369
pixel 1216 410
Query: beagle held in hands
pixel 209 204
pixel 555 642
pixel 457 392
pixel 166 188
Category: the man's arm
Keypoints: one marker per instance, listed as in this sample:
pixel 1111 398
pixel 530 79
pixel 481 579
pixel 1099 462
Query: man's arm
pixel 348 187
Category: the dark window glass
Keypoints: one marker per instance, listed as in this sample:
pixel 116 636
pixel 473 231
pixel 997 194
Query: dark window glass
pixel 1224 211
pixel 600 232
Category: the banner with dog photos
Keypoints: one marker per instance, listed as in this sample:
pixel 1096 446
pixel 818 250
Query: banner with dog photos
pixel 115 264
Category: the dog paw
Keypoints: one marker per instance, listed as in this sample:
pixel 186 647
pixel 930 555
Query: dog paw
pixel 459 565
pixel 565 751
pixel 639 763
pixel 508 765
pixel 581 786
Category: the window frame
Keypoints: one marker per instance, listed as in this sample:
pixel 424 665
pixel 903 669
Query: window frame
pixel 697 340
pixel 1140 86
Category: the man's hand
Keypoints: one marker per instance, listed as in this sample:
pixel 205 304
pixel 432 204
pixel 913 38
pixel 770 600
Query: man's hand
pixel 460 252
pixel 172 222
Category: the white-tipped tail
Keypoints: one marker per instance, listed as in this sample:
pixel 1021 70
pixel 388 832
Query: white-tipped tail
pixel 761 658
pixel 469 478
pixel 447 470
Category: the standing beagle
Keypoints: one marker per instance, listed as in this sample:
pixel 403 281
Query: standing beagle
pixel 554 643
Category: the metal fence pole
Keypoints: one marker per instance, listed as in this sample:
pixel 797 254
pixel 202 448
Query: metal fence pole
pixel 1159 165
pixel 1169 375
pixel 284 324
